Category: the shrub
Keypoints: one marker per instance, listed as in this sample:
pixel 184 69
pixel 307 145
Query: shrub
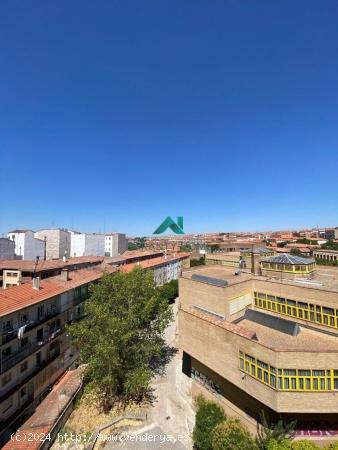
pixel 208 415
pixel 283 445
pixel 232 435
pixel 304 445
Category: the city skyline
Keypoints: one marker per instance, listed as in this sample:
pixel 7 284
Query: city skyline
pixel 226 115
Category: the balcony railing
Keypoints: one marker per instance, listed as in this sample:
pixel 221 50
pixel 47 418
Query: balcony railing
pixel 22 353
pixel 12 333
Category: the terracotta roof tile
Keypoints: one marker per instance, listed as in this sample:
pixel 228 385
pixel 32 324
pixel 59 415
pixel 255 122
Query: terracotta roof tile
pixel 18 297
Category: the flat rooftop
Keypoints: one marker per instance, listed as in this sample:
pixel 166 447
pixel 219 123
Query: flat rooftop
pixel 306 341
pixel 323 278
pixel 220 272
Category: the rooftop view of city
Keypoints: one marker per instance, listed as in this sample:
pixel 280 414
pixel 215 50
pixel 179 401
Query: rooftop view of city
pixel 169 255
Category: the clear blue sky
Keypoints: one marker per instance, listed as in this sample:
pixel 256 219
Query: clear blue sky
pixel 115 114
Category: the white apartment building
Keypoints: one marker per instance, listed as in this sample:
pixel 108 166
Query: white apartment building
pixel 115 244
pixel 87 244
pixel 26 245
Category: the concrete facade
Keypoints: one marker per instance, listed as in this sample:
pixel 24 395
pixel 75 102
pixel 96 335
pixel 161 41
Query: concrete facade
pixel 115 244
pixel 87 244
pixel 7 248
pixel 57 242
pixel 27 247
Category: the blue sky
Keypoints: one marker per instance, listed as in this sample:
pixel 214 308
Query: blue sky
pixel 115 114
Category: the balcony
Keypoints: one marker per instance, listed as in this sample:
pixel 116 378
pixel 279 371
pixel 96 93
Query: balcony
pixel 30 348
pixel 80 299
pixel 12 333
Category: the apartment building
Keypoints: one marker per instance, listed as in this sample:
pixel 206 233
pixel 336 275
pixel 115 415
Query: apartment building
pixel 87 244
pixel 164 268
pixel 26 245
pixel 35 349
pixel 16 272
pixel 7 249
pixel 264 343
pixel 115 244
pixel 57 242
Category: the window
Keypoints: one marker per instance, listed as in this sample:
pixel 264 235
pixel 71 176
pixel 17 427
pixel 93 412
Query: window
pixel 7 352
pixel 301 310
pixel 23 318
pixel 24 342
pixel 7 404
pixel 289 379
pixel 6 379
pixel 7 325
pixel 23 392
pixel 24 366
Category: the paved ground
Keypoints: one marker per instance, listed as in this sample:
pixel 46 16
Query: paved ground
pixel 172 414
pixel 148 438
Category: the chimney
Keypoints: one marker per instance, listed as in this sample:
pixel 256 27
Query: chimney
pixel 64 275
pixel 255 263
pixel 64 258
pixel 36 283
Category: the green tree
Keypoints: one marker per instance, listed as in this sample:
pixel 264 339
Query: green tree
pixel 121 336
pixel 185 248
pixel 208 415
pixel 170 290
pixel 279 432
pixel 304 445
pixel 295 251
pixel 197 262
pixel 232 435
pixel 330 245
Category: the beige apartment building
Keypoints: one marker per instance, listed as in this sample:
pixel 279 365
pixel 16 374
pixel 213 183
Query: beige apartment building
pixel 264 343
pixel 35 349
pixel 57 242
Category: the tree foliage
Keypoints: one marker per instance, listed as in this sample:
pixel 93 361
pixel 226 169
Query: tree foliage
pixel 232 435
pixel 121 336
pixel 208 415
pixel 304 445
pixel 279 432
pixel 197 262
pixel 170 290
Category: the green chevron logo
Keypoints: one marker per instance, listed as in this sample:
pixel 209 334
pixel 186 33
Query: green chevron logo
pixel 177 228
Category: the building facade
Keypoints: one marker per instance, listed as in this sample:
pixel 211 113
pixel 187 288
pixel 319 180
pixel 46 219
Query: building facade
pixel 115 244
pixel 57 242
pixel 27 247
pixel 35 348
pixel 87 244
pixel 326 255
pixel 7 248
pixel 262 344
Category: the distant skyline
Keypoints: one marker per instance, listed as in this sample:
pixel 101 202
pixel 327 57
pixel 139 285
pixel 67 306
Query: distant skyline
pixel 114 115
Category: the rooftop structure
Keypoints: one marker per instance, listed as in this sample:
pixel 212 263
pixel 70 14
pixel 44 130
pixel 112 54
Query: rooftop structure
pixel 289 265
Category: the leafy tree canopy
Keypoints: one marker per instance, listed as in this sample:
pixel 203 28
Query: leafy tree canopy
pixel 232 435
pixel 121 336
pixel 208 415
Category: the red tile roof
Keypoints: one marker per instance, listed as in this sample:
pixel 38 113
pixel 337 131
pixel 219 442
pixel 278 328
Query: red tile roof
pixel 50 264
pixel 154 262
pixel 47 413
pixel 18 297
